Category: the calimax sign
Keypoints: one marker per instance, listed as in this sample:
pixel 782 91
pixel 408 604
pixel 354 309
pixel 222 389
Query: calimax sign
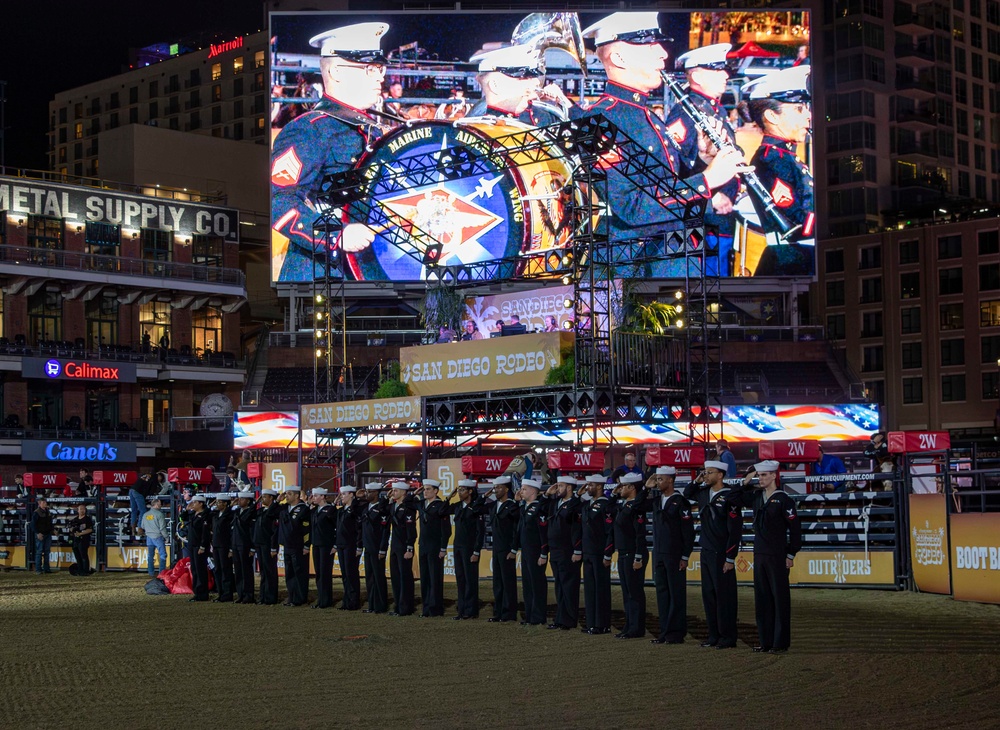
pixel 73 369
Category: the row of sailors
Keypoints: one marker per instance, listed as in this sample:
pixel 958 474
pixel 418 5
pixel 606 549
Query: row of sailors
pixel 573 528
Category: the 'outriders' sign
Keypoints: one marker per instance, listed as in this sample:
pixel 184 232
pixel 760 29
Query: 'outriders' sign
pixel 19 196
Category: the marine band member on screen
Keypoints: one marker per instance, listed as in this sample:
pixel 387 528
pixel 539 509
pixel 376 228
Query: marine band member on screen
pixel 629 47
pixel 779 104
pixel 707 73
pixel 329 139
pixel 511 79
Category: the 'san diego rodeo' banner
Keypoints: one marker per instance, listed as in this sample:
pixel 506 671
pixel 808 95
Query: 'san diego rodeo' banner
pixel 929 543
pixel 975 554
pixel 81 205
pixel 362 413
pixel 501 363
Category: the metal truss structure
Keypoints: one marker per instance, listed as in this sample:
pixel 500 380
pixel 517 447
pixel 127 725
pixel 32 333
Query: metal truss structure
pixel 616 381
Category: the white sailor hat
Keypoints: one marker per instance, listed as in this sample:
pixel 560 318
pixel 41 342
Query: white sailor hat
pixel 431 483
pixel 199 498
pixel 520 62
pixel 348 490
pixel 373 486
pixel 468 483
pixel 596 479
pixel 224 496
pixel 269 492
pixel 713 57
pixel 638 28
pixel 531 483
pixel 667 471
pixel 500 481
pixel 766 466
pixel 631 478
pixel 720 465
pixel 567 479
pixel 245 495
pixel 319 492
pixel 358 43
pixel 400 485
pixel 790 85
pixel 291 488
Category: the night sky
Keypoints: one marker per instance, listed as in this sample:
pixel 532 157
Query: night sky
pixel 48 46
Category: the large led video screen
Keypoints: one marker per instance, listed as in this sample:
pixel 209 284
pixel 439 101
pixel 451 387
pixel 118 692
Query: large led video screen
pixel 407 142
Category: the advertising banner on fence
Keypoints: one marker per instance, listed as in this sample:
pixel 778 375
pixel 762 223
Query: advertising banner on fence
pixel 975 555
pixel 362 413
pixel 133 557
pixel 277 475
pixel 446 471
pixel 827 567
pixel 499 363
pixel 929 543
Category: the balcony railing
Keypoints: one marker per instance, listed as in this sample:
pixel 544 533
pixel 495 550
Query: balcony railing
pixel 56 259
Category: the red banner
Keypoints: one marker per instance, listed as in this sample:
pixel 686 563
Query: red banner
pixel 689 456
pixel 485 465
pixel 190 476
pixel 115 478
pixel 44 480
pixel 910 442
pixel 576 460
pixel 800 452
pixel 255 470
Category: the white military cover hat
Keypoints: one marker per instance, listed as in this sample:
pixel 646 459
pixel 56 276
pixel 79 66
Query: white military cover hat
pixel 666 471
pixel 567 479
pixel 789 85
pixel 631 478
pixel 319 491
pixel 291 488
pixel 359 42
pixel 517 61
pixel 531 483
pixel 199 498
pixel 373 486
pixel 596 479
pixel 400 485
pixel 638 28
pixel 500 481
pixel 766 466
pixel 713 57
pixel 431 483
pixel 720 465
pixel 269 492
pixel 348 490
pixel 245 495
pixel 469 483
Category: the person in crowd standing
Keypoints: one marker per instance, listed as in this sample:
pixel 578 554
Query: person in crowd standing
pixel 598 542
pixel 265 545
pixel 293 535
pixel 633 554
pixel 222 547
pixel 565 550
pixel 723 454
pixel 435 532
pixel 200 539
pixel 673 540
pixel 243 531
pixel 42 529
pixel 531 539
pixel 829 464
pixel 721 532
pixel 153 526
pixel 631 466
pixel 503 514
pixel 777 540
pixel 349 545
pixel 81 528
pixel 402 540
pixel 324 545
pixel 375 541
pixel 470 533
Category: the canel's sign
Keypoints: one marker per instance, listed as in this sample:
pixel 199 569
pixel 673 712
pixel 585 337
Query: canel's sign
pixel 66 451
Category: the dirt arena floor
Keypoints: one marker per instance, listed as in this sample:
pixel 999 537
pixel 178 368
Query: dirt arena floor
pixel 99 652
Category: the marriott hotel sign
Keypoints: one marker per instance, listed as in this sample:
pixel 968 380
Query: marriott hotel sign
pixel 21 196
pixel 60 369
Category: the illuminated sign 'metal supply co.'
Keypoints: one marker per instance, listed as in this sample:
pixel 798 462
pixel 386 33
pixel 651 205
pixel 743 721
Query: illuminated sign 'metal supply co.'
pixel 58 369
